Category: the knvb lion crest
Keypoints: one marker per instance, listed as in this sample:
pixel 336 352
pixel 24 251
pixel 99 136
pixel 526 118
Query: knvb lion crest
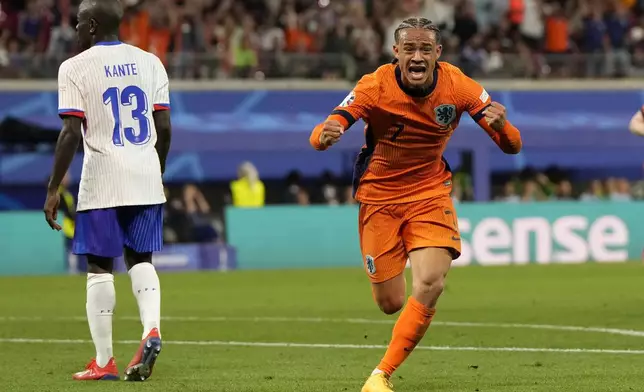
pixel 371 266
pixel 445 114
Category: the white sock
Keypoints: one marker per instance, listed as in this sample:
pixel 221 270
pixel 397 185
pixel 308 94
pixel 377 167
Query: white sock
pixel 376 371
pixel 147 291
pixel 101 299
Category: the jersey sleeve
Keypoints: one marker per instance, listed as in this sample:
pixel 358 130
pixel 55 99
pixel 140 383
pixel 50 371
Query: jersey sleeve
pixel 357 105
pixel 472 97
pixel 162 95
pixel 359 102
pixel 70 97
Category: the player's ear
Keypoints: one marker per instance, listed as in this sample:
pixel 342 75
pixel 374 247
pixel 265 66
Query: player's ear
pixel 92 26
pixel 395 50
pixel 439 51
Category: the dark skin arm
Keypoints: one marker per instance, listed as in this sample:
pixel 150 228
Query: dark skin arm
pixel 66 147
pixel 164 135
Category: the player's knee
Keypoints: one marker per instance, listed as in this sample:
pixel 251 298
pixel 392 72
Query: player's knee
pixel 99 265
pixel 133 258
pixel 391 304
pixel 429 288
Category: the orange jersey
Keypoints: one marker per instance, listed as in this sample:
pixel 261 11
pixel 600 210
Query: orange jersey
pixel 406 133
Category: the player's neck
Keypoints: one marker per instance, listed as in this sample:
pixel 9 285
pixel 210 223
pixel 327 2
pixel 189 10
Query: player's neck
pixel 105 38
pixel 417 92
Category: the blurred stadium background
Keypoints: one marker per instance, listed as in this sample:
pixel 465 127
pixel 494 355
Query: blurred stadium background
pixel 251 78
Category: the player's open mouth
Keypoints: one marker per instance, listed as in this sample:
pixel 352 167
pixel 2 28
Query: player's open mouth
pixel 417 72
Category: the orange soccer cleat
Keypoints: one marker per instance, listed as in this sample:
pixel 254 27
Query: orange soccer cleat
pixel 93 372
pixel 140 367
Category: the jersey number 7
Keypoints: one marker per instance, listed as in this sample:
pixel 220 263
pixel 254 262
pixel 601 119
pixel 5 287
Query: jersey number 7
pixel 398 130
pixel 126 99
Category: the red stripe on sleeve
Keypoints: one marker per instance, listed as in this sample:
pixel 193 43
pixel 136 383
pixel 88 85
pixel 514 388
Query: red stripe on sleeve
pixel 161 107
pixel 73 113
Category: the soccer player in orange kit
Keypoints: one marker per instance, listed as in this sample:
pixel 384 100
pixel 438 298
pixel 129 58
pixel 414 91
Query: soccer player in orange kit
pixel 402 182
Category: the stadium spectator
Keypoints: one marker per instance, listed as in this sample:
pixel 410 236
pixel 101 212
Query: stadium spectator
pixel 618 60
pixel 159 34
pixel 330 193
pixel 595 41
pixel 595 192
pixel 177 228
pixel 62 38
pixel 619 189
pixel 557 39
pixel 292 188
pixel 564 191
pixel 473 57
pixel 34 24
pixel 510 193
pixel 532 192
pixel 348 195
pixel 136 26
pixel 277 38
pixel 247 190
pixel 303 198
pixel 465 24
pixel 198 212
pixel 4 52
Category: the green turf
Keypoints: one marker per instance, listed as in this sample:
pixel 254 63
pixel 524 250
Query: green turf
pixel 589 295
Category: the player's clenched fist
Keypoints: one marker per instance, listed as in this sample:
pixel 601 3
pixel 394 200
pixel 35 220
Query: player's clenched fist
pixel 495 116
pixel 332 130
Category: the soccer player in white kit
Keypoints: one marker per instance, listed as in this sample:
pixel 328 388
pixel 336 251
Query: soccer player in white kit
pixel 115 98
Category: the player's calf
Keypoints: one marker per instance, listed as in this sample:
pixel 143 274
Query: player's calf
pixel 147 291
pixel 429 267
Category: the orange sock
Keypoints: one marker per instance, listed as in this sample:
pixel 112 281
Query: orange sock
pixel 408 331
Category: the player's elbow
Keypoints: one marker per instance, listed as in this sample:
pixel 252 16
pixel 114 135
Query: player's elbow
pixel 512 148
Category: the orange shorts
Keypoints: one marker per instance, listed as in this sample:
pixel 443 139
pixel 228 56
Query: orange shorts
pixel 389 232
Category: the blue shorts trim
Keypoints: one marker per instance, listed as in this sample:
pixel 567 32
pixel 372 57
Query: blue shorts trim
pixel 107 231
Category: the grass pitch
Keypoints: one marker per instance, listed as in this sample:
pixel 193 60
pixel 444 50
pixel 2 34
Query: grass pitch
pixel 528 328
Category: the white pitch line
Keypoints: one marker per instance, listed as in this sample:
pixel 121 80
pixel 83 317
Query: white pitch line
pixel 568 328
pixel 336 346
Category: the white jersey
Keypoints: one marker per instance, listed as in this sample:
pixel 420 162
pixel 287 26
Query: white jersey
pixel 114 88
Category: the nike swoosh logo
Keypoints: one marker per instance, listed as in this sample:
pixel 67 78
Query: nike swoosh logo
pixel 454 238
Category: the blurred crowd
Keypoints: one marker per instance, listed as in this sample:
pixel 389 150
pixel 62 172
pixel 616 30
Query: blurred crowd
pixel 542 188
pixel 340 38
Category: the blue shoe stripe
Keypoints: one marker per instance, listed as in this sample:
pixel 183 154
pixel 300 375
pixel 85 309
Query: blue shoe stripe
pixel 110 377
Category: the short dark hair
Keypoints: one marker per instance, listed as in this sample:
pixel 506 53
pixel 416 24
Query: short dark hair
pixel 108 13
pixel 417 23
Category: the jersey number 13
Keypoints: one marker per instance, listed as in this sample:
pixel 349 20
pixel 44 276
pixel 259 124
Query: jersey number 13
pixel 134 100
